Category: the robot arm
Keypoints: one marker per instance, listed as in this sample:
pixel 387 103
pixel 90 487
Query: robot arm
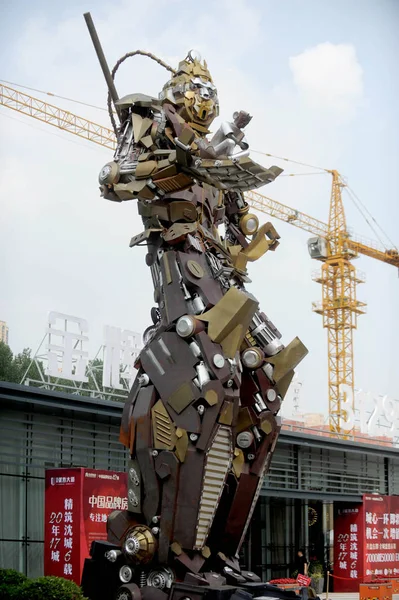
pixel 228 136
pixel 246 240
pixel 145 164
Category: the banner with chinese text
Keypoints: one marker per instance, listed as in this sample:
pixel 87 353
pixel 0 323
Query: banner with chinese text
pixel 77 504
pixel 348 546
pixel 366 541
pixel 381 534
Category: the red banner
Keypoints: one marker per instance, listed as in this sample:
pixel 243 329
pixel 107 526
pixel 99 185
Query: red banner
pixel 62 527
pixel 366 541
pixel 77 504
pixel 348 547
pixel 381 536
pixel 103 492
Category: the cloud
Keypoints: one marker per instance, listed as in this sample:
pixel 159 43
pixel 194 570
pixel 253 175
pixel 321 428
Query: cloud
pixel 329 77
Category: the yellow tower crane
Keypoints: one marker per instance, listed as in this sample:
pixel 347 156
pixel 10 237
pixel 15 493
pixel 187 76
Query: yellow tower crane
pixel 331 244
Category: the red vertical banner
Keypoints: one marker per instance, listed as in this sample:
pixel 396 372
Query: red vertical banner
pixel 348 546
pixel 77 505
pixel 103 492
pixel 381 536
pixel 62 523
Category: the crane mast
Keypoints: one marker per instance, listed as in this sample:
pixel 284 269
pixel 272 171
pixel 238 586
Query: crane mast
pixel 339 308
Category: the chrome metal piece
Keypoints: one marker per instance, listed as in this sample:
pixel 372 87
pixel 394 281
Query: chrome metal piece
pixel 202 374
pixel 195 349
pixel 256 433
pixel 112 555
pixel 155 530
pixel 155 520
pixel 271 395
pixel 274 347
pixel 185 326
pixel 154 453
pixel 266 334
pixel 131 546
pixel 201 409
pixel 239 155
pixel 149 334
pixel 133 498
pixel 218 361
pixel 193 437
pixel 245 439
pixel 105 173
pixel 161 578
pixel 268 370
pixel 125 574
pixel 230 383
pixel 187 295
pixel 251 456
pixel 251 358
pixel 143 379
pixel 198 305
pixel 260 402
pixel 182 146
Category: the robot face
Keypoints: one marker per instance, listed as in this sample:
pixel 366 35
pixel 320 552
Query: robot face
pixel 192 92
pixel 201 101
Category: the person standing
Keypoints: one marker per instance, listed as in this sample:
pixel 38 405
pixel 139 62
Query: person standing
pixel 301 562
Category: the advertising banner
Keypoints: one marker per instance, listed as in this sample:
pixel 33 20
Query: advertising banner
pixel 348 547
pixel 381 532
pixel 77 504
pixel 366 541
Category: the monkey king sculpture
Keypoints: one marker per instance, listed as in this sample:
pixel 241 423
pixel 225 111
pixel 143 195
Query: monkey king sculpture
pixel 201 419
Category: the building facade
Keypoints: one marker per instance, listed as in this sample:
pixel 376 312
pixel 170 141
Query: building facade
pixel 309 476
pixel 3 332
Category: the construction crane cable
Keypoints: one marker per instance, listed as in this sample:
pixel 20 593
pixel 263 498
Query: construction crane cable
pixel 116 67
pixel 291 161
pixel 356 203
pixel 61 137
pixel 354 197
pixel 300 174
pixel 25 87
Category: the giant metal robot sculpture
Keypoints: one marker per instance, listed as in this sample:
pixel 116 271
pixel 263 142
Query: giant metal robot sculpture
pixel 201 419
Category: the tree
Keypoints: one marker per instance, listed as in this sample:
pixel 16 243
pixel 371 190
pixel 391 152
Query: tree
pixel 8 369
pixel 13 368
pixel 24 364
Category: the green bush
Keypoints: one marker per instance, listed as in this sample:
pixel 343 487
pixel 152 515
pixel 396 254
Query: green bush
pixel 8 592
pixel 316 569
pixel 11 577
pixel 10 582
pixel 50 588
pixel 15 586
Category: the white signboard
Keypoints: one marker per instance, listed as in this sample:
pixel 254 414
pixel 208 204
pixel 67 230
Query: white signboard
pixel 67 355
pixel 65 349
pixel 121 349
pixel 378 414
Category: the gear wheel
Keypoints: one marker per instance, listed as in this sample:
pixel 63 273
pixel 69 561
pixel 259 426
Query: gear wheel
pixel 160 578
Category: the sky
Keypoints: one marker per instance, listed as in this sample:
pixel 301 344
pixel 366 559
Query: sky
pixel 321 82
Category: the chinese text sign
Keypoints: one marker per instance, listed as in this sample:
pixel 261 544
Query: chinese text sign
pixel 77 504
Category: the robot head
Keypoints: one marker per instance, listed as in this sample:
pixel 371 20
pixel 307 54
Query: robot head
pixel 192 92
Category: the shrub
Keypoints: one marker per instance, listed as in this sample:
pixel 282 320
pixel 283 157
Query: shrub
pixel 10 582
pixel 11 577
pixel 50 588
